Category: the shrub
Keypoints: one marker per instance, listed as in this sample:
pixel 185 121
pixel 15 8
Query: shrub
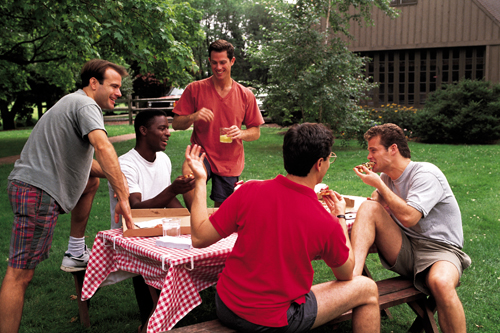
pixel 400 115
pixel 465 112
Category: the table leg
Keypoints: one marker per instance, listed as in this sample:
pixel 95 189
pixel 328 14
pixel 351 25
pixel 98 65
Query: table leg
pixel 83 306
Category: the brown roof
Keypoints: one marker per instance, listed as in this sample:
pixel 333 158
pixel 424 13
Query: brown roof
pixel 492 7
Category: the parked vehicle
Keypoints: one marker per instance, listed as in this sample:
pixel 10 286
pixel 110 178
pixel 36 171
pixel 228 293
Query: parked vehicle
pixel 168 101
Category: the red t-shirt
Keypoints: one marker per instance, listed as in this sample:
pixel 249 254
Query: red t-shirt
pixel 281 228
pixel 237 108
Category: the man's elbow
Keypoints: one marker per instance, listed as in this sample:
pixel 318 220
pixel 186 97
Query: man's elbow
pixel 199 243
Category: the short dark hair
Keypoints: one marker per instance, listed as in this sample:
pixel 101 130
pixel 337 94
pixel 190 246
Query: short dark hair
pixel 146 118
pixel 220 46
pixel 96 68
pixel 390 134
pixel 304 145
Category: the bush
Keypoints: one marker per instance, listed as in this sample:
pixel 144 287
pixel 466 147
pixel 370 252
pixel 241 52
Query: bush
pixel 400 115
pixel 465 112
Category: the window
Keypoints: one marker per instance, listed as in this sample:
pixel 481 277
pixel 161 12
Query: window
pixel 395 3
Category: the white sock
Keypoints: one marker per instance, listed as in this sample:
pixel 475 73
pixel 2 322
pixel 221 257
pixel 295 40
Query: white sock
pixel 76 246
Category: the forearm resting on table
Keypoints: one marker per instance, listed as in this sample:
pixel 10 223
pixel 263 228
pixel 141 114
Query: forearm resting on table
pixel 165 199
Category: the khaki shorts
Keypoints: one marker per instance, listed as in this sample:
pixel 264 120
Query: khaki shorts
pixel 417 255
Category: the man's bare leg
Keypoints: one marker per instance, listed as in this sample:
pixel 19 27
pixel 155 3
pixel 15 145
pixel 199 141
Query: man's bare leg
pixel 12 293
pixel 374 225
pixel 336 297
pixel 442 279
pixel 80 214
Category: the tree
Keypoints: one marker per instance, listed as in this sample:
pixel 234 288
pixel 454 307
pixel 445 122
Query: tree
pixel 237 21
pixel 312 74
pixel 48 41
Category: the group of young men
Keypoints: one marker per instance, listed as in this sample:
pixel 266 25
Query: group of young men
pixel 266 285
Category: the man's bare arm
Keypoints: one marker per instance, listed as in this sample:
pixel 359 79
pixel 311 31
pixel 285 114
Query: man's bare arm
pixel 184 122
pixel 405 214
pixel 108 162
pixel 203 233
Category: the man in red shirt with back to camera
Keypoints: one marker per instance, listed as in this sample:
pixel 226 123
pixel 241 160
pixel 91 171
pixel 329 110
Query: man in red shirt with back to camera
pixel 210 105
pixel 266 285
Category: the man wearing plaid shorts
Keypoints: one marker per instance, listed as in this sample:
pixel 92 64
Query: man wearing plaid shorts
pixel 55 174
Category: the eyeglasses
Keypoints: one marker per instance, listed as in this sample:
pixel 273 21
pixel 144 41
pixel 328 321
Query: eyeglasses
pixel 332 155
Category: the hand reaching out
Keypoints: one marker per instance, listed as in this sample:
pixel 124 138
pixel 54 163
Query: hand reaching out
pixel 195 162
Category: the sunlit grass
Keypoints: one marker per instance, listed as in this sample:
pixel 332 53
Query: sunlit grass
pixel 471 171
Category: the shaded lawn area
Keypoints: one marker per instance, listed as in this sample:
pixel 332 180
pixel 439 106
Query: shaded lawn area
pixel 471 171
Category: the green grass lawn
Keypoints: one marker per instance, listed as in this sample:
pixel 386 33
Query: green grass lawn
pixel 471 171
pixel 12 142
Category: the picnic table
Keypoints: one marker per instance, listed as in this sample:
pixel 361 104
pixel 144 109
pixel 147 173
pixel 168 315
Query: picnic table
pixel 179 274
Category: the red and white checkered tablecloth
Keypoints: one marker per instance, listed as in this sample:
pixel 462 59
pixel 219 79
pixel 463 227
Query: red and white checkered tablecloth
pixel 163 268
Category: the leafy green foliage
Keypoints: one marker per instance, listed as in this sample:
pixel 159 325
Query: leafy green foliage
pixel 312 76
pixel 50 40
pixel 465 112
pixel 239 22
pixel 400 115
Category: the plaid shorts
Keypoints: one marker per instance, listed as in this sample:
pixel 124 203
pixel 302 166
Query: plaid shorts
pixel 35 216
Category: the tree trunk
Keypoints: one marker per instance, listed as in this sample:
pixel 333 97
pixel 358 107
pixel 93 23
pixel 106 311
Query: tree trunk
pixel 8 117
pixel 39 106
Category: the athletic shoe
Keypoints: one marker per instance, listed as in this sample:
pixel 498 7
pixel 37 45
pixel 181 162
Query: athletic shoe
pixel 71 263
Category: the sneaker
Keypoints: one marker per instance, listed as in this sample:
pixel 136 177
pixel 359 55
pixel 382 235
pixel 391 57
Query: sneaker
pixel 71 263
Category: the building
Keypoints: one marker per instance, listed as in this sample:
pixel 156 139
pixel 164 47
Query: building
pixel 430 43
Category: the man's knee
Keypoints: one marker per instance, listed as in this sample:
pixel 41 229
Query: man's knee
pixel 441 287
pixel 17 276
pixel 367 288
pixel 92 185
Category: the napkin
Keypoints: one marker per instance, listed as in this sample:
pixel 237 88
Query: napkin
pixel 174 242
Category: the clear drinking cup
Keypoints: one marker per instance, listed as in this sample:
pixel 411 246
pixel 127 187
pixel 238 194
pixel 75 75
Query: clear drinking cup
pixel 171 227
pixel 223 135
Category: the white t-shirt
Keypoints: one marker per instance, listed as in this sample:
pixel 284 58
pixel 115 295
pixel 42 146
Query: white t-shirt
pixel 147 178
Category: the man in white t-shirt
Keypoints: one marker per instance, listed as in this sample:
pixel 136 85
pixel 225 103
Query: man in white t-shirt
pixel 148 170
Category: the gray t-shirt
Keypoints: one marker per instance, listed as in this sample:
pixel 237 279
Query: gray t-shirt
pixel 424 187
pixel 58 155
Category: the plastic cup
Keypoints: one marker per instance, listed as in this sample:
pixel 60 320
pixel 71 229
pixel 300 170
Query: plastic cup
pixel 223 135
pixel 171 227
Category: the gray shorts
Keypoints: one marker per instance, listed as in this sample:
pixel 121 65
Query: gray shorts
pixel 300 317
pixel 417 255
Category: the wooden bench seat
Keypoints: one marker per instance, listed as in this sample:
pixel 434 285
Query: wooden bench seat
pixel 392 292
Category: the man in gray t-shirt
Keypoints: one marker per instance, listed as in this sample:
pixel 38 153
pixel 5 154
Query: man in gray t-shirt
pixel 415 222
pixel 55 174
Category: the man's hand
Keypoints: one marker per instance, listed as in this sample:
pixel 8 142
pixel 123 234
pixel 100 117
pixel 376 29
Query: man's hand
pixel 195 162
pixel 203 114
pixel 335 202
pixel 183 184
pixel 123 208
pixel 368 177
pixel 234 132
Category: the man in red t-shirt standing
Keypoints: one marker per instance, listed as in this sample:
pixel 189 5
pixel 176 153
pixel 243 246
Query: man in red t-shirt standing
pixel 266 285
pixel 213 105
